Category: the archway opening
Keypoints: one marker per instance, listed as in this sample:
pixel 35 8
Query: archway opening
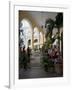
pixel 25 33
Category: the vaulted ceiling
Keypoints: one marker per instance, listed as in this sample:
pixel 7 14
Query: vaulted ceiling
pixel 39 17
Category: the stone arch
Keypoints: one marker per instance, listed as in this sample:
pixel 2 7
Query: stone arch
pixel 26 15
pixel 27 31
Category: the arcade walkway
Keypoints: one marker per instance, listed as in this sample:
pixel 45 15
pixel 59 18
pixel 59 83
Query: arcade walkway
pixel 36 70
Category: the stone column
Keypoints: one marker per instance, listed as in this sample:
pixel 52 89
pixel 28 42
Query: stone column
pixel 39 40
pixel 43 38
pixel 32 39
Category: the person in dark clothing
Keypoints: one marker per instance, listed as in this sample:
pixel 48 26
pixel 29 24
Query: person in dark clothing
pixel 24 58
pixel 20 58
pixel 28 55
